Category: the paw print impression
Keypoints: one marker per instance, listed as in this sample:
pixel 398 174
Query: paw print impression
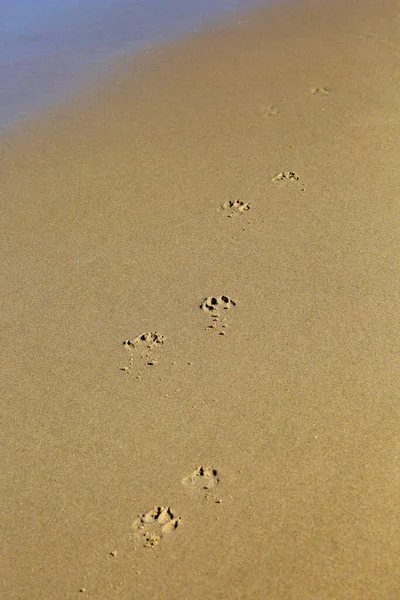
pixel 141 350
pixel 233 208
pixel 269 111
pixel 285 176
pixel 320 91
pixel 149 340
pixel 152 526
pixel 216 306
pixel 288 176
pixel 202 479
pixel 214 303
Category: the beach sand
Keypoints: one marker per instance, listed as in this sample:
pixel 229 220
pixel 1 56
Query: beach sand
pixel 245 452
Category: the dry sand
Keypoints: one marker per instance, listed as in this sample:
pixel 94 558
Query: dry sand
pixel 114 227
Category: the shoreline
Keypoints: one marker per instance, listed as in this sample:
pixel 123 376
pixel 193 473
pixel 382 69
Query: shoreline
pixel 155 448
pixel 52 56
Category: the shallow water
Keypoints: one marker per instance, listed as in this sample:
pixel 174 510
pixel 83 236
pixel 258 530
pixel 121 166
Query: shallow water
pixel 48 47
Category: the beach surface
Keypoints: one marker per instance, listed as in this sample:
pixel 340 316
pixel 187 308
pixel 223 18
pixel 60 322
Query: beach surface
pixel 200 303
pixel 49 49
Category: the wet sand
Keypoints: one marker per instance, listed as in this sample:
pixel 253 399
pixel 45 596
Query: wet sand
pixel 52 49
pixel 246 446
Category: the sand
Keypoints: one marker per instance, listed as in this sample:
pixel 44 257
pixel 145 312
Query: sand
pixel 245 452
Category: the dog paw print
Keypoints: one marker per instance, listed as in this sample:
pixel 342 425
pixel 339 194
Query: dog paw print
pixel 269 111
pixel 288 176
pixel 217 305
pixel 142 347
pixel 154 525
pixel 285 176
pixel 233 208
pixel 203 479
pixel 320 91
pixel 148 340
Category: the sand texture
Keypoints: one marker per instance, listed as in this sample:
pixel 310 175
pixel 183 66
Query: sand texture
pixel 200 301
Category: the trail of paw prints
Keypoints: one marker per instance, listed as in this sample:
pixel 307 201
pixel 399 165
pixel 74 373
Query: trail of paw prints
pixel 288 177
pixel 203 480
pixel 141 351
pixel 217 306
pixel 151 527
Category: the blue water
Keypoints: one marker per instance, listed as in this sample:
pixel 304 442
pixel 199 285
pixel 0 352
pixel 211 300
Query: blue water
pixel 48 47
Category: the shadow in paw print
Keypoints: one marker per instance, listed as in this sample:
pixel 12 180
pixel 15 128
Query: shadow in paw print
pixel 152 526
